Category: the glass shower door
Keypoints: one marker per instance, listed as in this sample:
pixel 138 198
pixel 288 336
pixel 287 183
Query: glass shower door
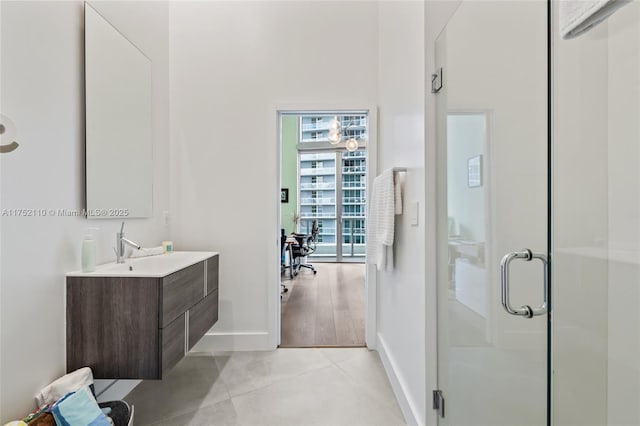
pixel 494 201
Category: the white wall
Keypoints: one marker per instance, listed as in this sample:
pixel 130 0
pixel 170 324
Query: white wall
pixel 401 293
pixel 42 92
pixel 232 64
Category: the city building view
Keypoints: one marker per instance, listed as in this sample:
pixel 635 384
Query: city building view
pixel 332 187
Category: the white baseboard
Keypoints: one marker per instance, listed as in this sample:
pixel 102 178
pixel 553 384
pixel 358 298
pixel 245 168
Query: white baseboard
pixel 237 341
pixel 399 386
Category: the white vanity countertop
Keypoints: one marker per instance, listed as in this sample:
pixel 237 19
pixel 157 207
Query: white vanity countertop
pixel 149 267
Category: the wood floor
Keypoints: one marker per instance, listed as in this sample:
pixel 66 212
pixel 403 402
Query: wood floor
pixel 325 309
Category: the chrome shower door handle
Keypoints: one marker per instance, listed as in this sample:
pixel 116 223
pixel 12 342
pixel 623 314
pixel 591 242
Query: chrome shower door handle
pixel 526 310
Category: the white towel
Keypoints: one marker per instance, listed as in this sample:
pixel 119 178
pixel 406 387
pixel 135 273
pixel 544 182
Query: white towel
pixel 68 383
pixel 385 201
pixel 579 16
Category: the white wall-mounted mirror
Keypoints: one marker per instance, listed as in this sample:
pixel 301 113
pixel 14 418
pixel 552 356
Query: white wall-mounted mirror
pixel 119 164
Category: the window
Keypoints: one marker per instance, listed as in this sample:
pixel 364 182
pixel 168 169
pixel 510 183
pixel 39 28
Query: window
pixel 324 170
pixel 357 239
pixel 353 120
pixel 352 210
pixel 352 196
pixel 354 133
pixel 353 231
pixel 315 128
pixel 353 181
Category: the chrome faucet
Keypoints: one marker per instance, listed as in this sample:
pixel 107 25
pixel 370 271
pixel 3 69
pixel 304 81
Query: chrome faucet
pixel 120 242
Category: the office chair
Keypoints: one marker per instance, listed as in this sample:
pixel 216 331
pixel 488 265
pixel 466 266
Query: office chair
pixel 283 243
pixel 306 246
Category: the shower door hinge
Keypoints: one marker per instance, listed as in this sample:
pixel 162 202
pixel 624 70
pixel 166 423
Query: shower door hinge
pixel 436 81
pixel 438 402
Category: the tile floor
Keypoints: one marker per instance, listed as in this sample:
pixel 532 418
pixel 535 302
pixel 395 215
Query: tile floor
pixel 320 386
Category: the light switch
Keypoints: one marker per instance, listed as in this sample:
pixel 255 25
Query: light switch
pixel 413 213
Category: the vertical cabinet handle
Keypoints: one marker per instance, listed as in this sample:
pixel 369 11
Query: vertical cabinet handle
pixel 526 310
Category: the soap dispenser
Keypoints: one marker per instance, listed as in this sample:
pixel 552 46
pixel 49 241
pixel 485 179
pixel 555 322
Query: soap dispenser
pixel 89 251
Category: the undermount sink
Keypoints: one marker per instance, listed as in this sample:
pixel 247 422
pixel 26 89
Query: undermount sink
pixel 152 266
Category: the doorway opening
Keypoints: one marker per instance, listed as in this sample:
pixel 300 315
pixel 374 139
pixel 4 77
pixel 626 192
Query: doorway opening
pixel 322 226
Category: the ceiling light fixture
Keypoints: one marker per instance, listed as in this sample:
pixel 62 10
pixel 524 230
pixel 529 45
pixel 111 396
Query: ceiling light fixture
pixel 336 131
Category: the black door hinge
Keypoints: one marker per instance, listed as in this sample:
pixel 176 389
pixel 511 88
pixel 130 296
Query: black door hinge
pixel 436 81
pixel 438 402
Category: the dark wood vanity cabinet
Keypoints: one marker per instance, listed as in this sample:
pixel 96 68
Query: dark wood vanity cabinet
pixel 139 327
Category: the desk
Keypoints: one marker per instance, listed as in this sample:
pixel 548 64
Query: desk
pixel 289 247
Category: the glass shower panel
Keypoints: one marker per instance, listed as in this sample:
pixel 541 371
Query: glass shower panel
pixel 596 224
pixel 493 198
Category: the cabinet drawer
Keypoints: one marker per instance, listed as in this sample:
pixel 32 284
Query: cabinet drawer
pixel 180 291
pixel 112 326
pixel 173 338
pixel 202 317
pixel 212 274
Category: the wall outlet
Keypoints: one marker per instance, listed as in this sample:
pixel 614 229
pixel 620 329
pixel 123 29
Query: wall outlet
pixel 166 217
